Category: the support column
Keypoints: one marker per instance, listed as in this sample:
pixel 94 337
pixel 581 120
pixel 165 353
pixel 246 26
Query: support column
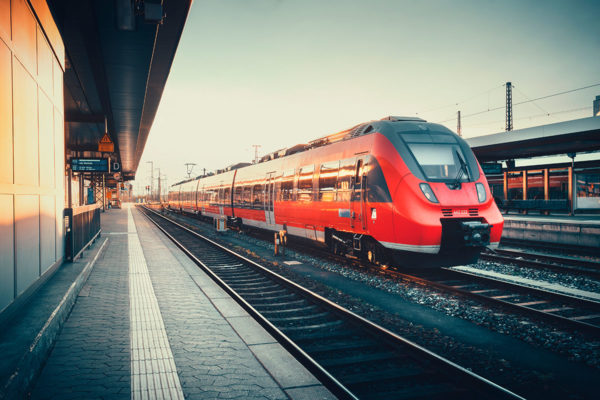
pixel 505 185
pixel 69 189
pixel 524 185
pixel 103 193
pixel 546 187
pixel 570 191
pixel 524 188
pixel 546 184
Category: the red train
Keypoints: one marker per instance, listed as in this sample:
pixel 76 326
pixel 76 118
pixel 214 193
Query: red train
pixel 392 188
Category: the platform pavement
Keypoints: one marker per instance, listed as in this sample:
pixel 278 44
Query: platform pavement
pixel 211 347
pixel 577 230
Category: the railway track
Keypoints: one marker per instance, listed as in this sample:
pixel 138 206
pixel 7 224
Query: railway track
pixel 563 311
pixel 551 247
pixel 353 357
pixel 538 260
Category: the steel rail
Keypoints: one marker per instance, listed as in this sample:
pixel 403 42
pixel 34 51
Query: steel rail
pixel 419 277
pixel 592 251
pixel 574 324
pixel 544 261
pixel 470 379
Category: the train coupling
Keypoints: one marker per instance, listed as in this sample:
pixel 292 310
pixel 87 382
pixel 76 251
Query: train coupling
pixel 475 233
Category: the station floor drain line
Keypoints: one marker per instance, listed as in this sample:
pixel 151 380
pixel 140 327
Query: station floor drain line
pixel 153 371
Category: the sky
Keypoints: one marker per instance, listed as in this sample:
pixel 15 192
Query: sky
pixel 276 73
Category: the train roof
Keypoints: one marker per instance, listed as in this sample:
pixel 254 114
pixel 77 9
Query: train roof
pixel 357 130
pixel 361 129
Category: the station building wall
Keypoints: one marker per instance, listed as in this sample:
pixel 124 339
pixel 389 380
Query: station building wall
pixel 32 150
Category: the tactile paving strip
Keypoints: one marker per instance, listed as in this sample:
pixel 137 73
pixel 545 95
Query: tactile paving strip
pixel 153 371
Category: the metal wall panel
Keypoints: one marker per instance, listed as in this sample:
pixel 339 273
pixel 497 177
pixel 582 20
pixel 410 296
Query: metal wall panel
pixel 27 240
pixel 32 159
pixel 7 260
pixel 59 159
pixel 46 138
pixel 25 127
pixel 44 64
pixel 6 135
pixel 5 19
pixel 24 34
pixel 47 232
pixel 58 84
pixel 50 29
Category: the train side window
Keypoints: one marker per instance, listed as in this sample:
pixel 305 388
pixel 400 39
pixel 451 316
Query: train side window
pixel 357 180
pixel 257 196
pixel 227 196
pixel 305 183
pixel 287 185
pixel 237 196
pixel 247 196
pixel 214 196
pixel 328 176
pixel 345 178
pixel 220 200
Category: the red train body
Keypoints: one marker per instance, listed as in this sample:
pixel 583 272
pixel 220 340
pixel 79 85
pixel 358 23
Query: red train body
pixel 386 189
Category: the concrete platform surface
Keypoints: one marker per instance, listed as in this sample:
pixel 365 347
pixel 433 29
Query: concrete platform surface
pixel 148 323
pixel 577 230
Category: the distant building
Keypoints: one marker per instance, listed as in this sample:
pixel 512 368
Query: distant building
pixel 597 107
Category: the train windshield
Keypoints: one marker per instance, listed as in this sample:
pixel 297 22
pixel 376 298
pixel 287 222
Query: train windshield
pixel 441 161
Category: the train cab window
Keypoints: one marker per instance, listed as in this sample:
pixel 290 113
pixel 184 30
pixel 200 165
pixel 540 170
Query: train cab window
pixel 287 185
pixel 441 161
pixel 433 152
pixel 305 183
pixel 257 196
pixel 327 180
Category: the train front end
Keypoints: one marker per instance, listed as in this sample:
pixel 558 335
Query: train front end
pixel 443 208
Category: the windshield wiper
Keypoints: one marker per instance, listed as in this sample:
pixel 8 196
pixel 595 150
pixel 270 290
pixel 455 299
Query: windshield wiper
pixel 462 170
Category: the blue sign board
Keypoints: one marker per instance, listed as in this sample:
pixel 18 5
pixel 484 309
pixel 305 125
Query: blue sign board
pixel 89 164
pixel 491 168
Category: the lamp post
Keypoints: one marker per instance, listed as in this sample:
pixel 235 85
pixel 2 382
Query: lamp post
pixel 151 178
pixel 158 184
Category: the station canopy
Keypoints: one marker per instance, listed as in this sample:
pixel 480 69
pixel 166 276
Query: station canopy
pixel 576 136
pixel 118 58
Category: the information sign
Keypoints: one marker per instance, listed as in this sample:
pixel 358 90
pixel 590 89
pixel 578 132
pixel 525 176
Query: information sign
pixel 105 144
pixel 89 164
pixel 491 168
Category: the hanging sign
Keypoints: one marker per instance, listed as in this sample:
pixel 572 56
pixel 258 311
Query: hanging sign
pixel 89 164
pixel 106 145
pixel 491 168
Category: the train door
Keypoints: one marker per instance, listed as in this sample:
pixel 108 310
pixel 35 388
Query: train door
pixel 269 199
pixel 358 197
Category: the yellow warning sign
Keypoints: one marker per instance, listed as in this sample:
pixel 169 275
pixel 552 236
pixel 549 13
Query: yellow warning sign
pixel 106 145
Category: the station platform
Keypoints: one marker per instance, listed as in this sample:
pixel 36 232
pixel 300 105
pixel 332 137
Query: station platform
pixel 576 230
pixel 135 318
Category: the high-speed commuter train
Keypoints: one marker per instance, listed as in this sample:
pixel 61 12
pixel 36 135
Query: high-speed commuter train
pixel 383 190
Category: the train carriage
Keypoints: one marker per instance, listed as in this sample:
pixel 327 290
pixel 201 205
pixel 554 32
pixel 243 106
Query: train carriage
pixel 386 189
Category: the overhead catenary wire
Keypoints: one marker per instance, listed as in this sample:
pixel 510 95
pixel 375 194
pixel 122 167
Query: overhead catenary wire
pixel 462 101
pixel 522 102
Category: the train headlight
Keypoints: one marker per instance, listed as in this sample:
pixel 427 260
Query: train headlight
pixel 428 192
pixel 480 192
